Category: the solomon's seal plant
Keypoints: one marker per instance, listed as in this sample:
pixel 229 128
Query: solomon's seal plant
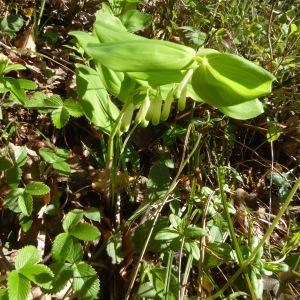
pixel 149 75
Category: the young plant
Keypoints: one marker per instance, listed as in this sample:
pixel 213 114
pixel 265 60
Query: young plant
pixel 60 110
pixel 12 85
pixel 56 158
pixel 28 270
pixel 67 252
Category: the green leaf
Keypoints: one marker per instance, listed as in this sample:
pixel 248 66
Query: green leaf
pixel 142 55
pixel 226 80
pixel 65 247
pixel 157 277
pixel 243 111
pixel 20 156
pixel 52 156
pixel 95 101
pixel 13 176
pixel 114 248
pixel 195 232
pixel 167 234
pixel 4 164
pixel 93 213
pixel 54 101
pixel 291 243
pixel 85 232
pixel 273 133
pixel 14 67
pixel 72 219
pixel 11 199
pixel 27 84
pixel 15 89
pixel 159 179
pixel 192 248
pixel 62 167
pixel 257 283
pixel 25 203
pixel 86 283
pixel 27 256
pixel 4 294
pixel 276 267
pixel 11 23
pixel 39 274
pixel 25 222
pixel 135 20
pixel 63 273
pixel 18 286
pixel 73 107
pixel 60 117
pixel 36 188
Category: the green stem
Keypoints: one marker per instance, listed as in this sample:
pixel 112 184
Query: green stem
pixel 231 230
pixel 261 243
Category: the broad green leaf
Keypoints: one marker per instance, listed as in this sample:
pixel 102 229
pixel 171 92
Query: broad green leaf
pixel 85 283
pixel 167 234
pixel 93 213
pixel 175 220
pixel 4 164
pixel 37 100
pixel 85 232
pixel 39 274
pixel 13 176
pixel 52 156
pixel 61 246
pixel 11 199
pixel 73 107
pixel 157 277
pixel 226 80
pixel 18 286
pixel 54 101
pixel 27 256
pixel 195 232
pixel 25 203
pixel 75 253
pixel 142 55
pixel 63 274
pixel 20 156
pixel 158 181
pixel 83 39
pixel 27 84
pixel 193 249
pixel 62 167
pixel 142 232
pixel 3 294
pixel 109 28
pixel 117 83
pixel 147 290
pixel 14 67
pixel 14 87
pixel 158 78
pixel 60 117
pixel 243 111
pixel 72 219
pixel 114 248
pixel 36 188
pixel 25 222
pixel 11 23
pixel 65 247
pixel 95 101
pixel 135 20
